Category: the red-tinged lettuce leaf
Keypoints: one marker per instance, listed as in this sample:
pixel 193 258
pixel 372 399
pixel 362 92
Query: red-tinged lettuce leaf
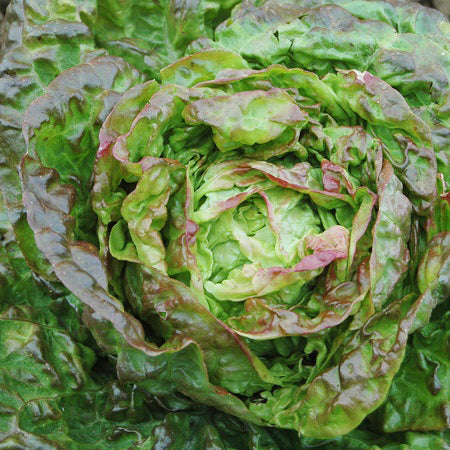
pixel 299 178
pixel 112 159
pixel 406 137
pixel 229 361
pixel 418 399
pixel 360 224
pixel 201 66
pixel 182 250
pixel 344 394
pixel 310 87
pixel 375 101
pixel 145 138
pixel 61 127
pixel 390 254
pixel 347 146
pixel 248 118
pixel 34 32
pixel 339 398
pixel 260 321
pixel 434 268
pixel 158 178
pixel 118 122
pixel 145 212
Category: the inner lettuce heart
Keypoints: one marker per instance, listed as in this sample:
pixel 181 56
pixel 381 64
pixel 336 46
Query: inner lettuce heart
pixel 259 233
pixel 258 238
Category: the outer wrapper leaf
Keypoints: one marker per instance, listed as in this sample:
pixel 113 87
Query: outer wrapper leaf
pixel 34 56
pixel 153 35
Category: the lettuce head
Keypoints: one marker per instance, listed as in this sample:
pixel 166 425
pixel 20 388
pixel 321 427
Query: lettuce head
pixel 224 224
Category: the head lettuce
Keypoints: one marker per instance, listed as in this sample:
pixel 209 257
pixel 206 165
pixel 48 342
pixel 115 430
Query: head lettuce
pixel 260 228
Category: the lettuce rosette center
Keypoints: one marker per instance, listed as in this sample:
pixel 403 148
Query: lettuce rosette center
pixel 257 238
pixel 214 186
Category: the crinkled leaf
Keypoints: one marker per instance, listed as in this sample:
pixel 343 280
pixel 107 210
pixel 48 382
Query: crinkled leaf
pixel 390 254
pixel 340 397
pixel 35 57
pixel 418 398
pixel 201 66
pixel 249 118
pixel 151 35
pixel 62 126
